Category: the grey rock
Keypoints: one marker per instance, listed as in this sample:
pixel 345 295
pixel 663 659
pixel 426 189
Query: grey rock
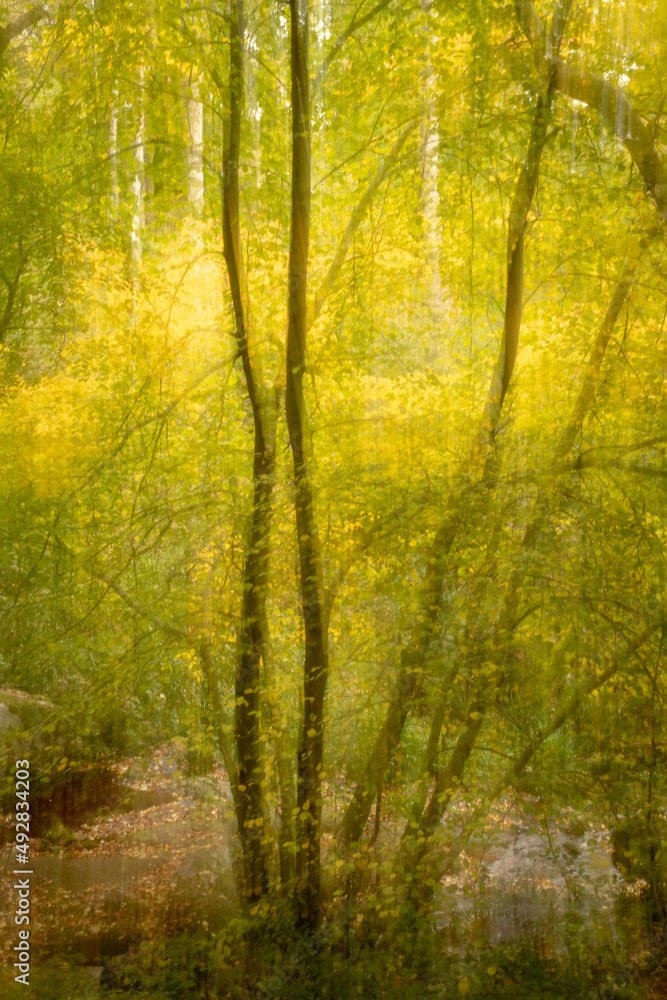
pixel 7 719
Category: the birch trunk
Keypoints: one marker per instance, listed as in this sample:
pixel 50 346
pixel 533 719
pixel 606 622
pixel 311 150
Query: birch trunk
pixel 195 116
pixel 137 189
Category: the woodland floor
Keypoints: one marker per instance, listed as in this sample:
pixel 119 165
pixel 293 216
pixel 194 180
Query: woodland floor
pixel 159 862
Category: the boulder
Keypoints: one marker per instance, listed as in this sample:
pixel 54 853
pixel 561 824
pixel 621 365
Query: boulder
pixel 7 719
pixel 27 709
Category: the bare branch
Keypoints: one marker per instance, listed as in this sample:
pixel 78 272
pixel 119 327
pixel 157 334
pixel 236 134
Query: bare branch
pixel 354 222
pixel 355 24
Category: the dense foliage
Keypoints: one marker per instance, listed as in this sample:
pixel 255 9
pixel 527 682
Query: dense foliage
pixel 333 432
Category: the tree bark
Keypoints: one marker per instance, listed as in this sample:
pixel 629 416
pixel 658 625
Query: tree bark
pixel 238 284
pixel 253 642
pixel 195 116
pixel 10 31
pixel 311 741
pixel 12 290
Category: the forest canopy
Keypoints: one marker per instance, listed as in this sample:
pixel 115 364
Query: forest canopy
pixel 333 383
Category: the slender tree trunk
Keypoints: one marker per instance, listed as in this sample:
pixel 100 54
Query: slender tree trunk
pixel 248 675
pixel 286 788
pixel 430 771
pixel 12 291
pixel 591 379
pixel 354 222
pixel 195 115
pixel 113 154
pixel 311 741
pixel 253 642
pixel 137 190
pixel 417 835
pixel 430 191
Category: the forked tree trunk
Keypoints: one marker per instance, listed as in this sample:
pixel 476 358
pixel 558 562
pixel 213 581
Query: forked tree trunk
pixel 263 413
pixel 253 640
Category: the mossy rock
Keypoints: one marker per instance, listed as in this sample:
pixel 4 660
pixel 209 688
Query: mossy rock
pixel 27 708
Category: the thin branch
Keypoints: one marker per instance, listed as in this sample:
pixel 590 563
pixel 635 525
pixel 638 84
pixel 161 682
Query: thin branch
pixel 355 24
pixel 445 862
pixel 354 222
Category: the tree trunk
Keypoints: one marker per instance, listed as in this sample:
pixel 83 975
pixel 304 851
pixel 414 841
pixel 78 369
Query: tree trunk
pixel 311 741
pixel 416 836
pixel 17 27
pixel 195 115
pixel 137 191
pixel 253 640
pixel 599 93
pixel 413 660
pixel 113 155
pixel 430 193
